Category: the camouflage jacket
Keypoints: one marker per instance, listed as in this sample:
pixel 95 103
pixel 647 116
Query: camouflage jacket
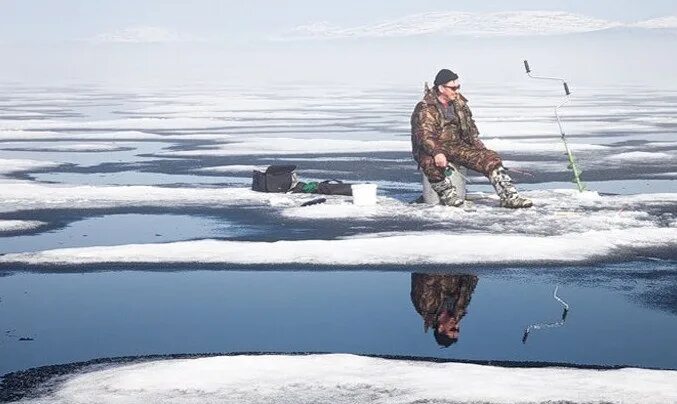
pixel 432 133
pixel 430 291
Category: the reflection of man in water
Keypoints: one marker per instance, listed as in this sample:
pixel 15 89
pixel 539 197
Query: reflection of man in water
pixel 442 300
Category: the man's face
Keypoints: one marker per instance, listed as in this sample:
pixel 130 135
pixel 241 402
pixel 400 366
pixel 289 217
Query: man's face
pixel 449 91
pixel 448 325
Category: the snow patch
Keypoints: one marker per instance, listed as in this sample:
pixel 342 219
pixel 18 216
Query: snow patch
pixel 18 225
pixel 343 378
pixel 16 195
pixel 404 249
pixel 641 156
pixel 8 166
pixel 233 169
pixel 79 147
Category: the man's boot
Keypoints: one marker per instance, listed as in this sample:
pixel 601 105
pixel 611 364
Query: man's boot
pixel 447 192
pixel 510 198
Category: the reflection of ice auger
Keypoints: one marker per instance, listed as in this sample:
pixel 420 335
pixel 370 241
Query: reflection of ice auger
pixel 556 324
pixel 572 162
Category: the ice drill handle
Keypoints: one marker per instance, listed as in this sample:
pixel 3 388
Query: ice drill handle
pixel 526 66
pixel 566 88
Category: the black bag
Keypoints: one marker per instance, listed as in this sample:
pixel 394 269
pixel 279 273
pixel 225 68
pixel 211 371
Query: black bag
pixel 277 178
pixel 324 188
pixel 334 187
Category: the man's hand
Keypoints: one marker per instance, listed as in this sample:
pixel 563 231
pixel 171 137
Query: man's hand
pixel 441 160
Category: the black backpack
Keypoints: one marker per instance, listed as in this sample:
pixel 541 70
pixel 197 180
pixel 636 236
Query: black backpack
pixel 277 178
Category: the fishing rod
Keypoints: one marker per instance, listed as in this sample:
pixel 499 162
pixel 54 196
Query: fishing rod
pixel 567 97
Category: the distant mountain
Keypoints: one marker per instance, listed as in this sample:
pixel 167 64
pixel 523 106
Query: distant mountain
pixel 502 24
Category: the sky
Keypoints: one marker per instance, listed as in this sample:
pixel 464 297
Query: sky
pixel 48 20
pixel 71 40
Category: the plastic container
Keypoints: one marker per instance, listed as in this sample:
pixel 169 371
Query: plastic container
pixel 430 196
pixel 364 194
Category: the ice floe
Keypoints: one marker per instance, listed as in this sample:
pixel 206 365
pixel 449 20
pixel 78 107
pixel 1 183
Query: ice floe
pixel 342 378
pixel 19 225
pixel 8 166
pixel 581 212
pixel 405 249
pixel 70 147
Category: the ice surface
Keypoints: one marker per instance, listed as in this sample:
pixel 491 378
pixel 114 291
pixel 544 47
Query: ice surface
pixel 404 249
pixel 137 178
pixel 234 168
pixel 71 147
pixel 50 135
pixel 268 146
pixel 606 126
pixel 17 225
pixel 8 166
pixel 641 156
pixel 564 226
pixel 16 195
pixel 341 378
pixel 281 146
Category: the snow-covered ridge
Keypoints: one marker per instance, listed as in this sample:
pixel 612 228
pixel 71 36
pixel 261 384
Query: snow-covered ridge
pixel 142 34
pixel 341 378
pixel 511 23
pixel 657 23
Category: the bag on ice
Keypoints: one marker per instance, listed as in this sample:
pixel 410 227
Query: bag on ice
pixel 277 178
pixel 283 178
pixel 328 187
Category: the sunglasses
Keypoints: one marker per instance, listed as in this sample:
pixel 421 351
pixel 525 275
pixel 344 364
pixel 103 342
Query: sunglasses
pixel 452 88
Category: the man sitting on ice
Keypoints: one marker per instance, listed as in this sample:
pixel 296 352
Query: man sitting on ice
pixel 443 132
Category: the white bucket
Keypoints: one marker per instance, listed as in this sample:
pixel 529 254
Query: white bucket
pixel 364 194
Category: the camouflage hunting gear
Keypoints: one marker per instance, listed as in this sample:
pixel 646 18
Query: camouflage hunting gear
pixel 430 293
pixel 447 192
pixel 451 131
pixel 506 191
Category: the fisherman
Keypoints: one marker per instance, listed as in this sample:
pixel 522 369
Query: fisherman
pixel 443 132
pixel 442 300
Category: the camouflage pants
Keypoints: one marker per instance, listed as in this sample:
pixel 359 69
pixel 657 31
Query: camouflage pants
pixel 478 159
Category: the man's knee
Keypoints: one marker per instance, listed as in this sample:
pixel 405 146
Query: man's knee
pixel 491 161
pixel 431 171
pixel 481 160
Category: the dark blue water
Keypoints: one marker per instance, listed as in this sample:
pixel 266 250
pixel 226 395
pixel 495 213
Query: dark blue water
pixel 614 319
pixel 126 229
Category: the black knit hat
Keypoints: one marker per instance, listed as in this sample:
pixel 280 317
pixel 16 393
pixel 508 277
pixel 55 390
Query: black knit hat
pixel 444 76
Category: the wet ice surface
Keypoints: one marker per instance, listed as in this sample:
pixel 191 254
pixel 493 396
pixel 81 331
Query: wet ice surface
pixel 130 176
pixel 125 229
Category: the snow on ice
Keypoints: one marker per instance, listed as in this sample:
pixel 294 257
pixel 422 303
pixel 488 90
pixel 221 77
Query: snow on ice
pixel 341 378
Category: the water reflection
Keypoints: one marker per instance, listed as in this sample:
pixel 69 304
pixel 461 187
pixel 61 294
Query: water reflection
pixel 442 300
pixel 552 324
